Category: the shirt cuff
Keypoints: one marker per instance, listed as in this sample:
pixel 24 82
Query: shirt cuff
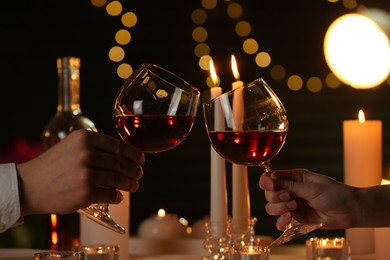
pixel 9 197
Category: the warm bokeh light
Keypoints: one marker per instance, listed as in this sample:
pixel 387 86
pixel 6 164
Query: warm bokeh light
pixel 54 234
pixel 204 62
pixel 129 19
pixel 199 34
pixel 295 82
pixel 114 8
pixel 278 72
pixel 314 84
pixel 332 81
pixel 357 51
pixel 234 10
pixel 243 28
pixel 350 4
pixel 263 59
pixel 250 46
pixel 98 3
pixel 116 54
pixel 199 16
pixel 122 37
pixel 201 49
pixel 124 70
pixel 209 4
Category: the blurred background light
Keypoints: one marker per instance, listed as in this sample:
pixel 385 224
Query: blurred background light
pixel 357 51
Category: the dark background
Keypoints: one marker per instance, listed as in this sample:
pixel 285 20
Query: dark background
pixel 34 33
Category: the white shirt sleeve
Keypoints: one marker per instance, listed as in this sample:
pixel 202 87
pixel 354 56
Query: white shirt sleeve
pixel 9 196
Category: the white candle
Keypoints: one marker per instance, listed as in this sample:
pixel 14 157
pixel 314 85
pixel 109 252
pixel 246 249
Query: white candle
pixel 218 196
pixel 362 168
pixel 240 189
pixel 92 233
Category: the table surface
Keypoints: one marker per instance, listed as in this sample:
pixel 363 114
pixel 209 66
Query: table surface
pixel 188 249
pixel 285 253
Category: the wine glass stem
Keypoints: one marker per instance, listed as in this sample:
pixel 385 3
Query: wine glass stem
pixel 266 167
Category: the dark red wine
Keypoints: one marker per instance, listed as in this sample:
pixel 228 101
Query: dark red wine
pixel 249 147
pixel 154 133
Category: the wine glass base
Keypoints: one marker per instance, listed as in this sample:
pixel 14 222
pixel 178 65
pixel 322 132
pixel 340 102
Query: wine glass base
pixel 101 217
pixel 293 231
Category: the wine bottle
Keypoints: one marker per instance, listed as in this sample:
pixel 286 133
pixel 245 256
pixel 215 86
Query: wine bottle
pixel 65 229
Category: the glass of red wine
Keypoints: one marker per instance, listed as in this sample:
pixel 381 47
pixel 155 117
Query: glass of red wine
pixel 248 126
pixel 155 109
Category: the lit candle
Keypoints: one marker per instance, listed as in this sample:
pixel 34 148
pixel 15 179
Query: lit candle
pixel 240 190
pixel 162 226
pixel 253 253
pixel 382 238
pixel 362 168
pixel 218 196
pixel 331 248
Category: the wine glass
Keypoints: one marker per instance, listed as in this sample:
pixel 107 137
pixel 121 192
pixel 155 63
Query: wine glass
pixel 248 126
pixel 155 109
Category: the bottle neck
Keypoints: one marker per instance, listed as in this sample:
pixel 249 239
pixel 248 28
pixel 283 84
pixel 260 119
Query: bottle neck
pixel 68 69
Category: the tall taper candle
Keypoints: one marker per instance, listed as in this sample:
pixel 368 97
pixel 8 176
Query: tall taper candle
pixel 240 189
pixel 362 168
pixel 218 196
pixel 92 233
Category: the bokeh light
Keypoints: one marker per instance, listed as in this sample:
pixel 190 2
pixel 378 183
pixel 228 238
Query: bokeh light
pixel 357 51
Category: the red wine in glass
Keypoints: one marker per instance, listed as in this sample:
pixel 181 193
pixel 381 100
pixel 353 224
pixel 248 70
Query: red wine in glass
pixel 154 133
pixel 248 147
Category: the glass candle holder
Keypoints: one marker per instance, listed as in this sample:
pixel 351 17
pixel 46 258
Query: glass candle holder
pixel 253 252
pixel 328 249
pixel 60 255
pixel 218 242
pixel 99 252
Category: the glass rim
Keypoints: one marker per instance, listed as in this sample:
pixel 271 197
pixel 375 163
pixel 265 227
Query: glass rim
pixel 227 93
pixel 152 67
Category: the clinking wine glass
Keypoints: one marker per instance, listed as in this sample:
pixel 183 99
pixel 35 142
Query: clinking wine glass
pixel 248 126
pixel 155 109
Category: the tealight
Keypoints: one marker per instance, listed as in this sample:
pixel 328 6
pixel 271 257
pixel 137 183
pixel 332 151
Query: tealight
pixel 328 248
pixel 253 252
pixel 162 226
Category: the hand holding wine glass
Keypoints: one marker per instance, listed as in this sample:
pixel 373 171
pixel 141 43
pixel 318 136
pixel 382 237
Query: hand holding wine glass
pixel 248 126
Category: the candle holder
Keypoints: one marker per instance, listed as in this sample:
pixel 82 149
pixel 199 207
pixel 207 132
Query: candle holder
pixel 337 248
pixel 244 238
pixel 253 253
pixel 218 241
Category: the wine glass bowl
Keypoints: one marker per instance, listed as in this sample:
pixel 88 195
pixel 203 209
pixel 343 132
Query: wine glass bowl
pixel 248 126
pixel 155 109
pixel 252 124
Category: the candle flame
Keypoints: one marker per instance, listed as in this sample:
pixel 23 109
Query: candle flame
pixel 235 68
pixel 213 73
pixel 161 213
pixel 361 116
